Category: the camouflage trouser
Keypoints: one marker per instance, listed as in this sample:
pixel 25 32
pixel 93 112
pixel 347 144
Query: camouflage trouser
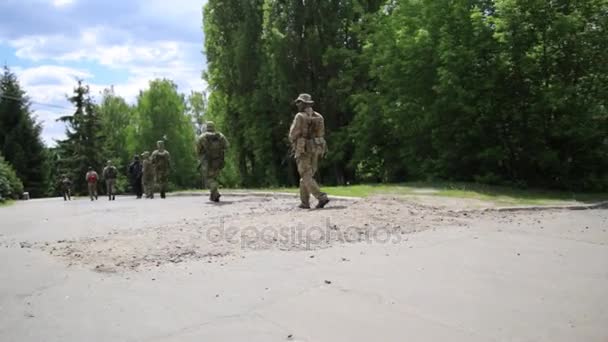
pixel 110 186
pixel 148 184
pixel 211 181
pixel 307 167
pixel 162 181
pixel 67 194
pixel 92 190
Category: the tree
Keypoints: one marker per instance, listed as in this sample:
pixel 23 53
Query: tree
pixel 115 118
pixel 491 91
pixel 504 91
pixel 161 115
pixel 261 54
pixel 196 107
pixel 20 140
pixel 83 146
pixel 10 184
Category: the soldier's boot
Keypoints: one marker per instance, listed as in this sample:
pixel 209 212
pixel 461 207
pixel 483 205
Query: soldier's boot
pixel 113 197
pixel 109 197
pixel 322 202
pixel 162 194
pixel 304 206
pixel 215 197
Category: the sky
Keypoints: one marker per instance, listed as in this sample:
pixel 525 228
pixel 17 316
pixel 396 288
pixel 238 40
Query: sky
pixel 50 44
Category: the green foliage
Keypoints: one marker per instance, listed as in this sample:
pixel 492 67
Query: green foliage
pixel 115 119
pixel 82 147
pixel 10 184
pixel 260 55
pixel 161 115
pixel 196 108
pixel 503 92
pixel 20 140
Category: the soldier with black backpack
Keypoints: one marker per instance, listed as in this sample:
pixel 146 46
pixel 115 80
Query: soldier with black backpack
pixel 211 148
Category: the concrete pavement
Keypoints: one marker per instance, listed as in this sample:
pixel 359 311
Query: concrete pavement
pixel 490 281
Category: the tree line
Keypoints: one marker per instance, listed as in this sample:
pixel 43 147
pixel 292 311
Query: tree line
pixel 495 91
pixel 95 132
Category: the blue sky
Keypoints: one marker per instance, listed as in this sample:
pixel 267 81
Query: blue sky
pixel 120 43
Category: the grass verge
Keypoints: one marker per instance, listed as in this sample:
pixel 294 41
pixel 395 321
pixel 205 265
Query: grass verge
pixel 6 203
pixel 496 194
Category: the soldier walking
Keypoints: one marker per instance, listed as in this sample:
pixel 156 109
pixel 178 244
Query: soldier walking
pixel 211 147
pixel 110 173
pixel 135 175
pixel 161 160
pixel 307 137
pixel 91 178
pixel 147 179
pixel 66 188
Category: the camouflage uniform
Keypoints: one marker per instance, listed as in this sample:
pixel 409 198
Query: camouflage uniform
pixel 66 185
pixel 307 136
pixel 211 147
pixel 91 178
pixel 147 179
pixel 109 175
pixel 161 159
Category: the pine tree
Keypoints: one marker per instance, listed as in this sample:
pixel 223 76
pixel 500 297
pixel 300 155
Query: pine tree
pixel 83 146
pixel 20 140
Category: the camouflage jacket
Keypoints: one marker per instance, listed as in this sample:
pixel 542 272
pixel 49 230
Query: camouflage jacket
pixel 161 161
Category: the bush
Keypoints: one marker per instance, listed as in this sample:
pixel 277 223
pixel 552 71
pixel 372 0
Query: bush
pixel 10 184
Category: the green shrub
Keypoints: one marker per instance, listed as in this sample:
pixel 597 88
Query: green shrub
pixel 10 184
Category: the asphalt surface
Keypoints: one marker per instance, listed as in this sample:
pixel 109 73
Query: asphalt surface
pixel 539 276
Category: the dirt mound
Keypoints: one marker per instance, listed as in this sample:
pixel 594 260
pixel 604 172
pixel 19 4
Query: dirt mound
pixel 254 224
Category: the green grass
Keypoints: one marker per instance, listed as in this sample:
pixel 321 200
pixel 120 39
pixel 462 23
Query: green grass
pixel 500 195
pixel 6 203
pixel 497 194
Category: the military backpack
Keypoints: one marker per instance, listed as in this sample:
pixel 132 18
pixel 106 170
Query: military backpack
pixel 215 151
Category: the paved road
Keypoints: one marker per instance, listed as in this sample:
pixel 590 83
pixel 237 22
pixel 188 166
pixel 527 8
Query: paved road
pixel 542 278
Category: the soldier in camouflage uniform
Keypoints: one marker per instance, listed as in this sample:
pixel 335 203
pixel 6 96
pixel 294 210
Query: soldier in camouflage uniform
pixel 307 137
pixel 161 160
pixel 211 147
pixel 91 178
pixel 110 173
pixel 66 188
pixel 147 179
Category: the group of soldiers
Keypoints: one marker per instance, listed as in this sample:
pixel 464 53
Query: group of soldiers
pixel 150 171
pixel 145 176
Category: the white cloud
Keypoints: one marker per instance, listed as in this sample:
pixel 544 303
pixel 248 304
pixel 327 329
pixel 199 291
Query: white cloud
pixel 49 84
pixel 62 3
pixel 141 41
